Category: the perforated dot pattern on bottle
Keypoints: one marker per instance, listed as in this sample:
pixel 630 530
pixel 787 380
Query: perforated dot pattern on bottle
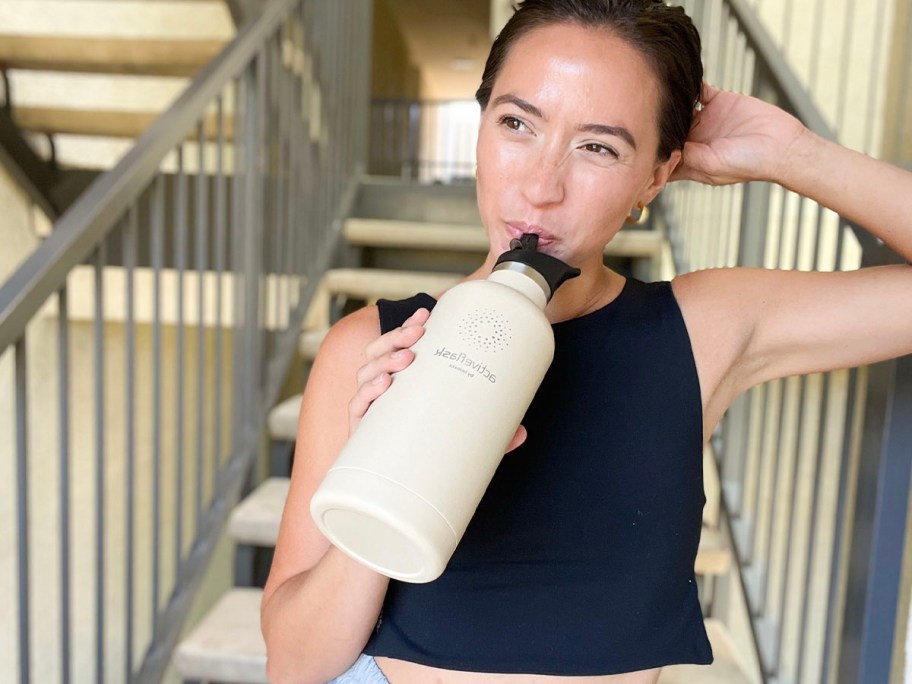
pixel 486 330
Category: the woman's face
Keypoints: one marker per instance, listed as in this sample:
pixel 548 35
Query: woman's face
pixel 567 143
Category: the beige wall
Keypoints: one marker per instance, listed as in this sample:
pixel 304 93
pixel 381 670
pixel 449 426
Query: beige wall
pixel 392 73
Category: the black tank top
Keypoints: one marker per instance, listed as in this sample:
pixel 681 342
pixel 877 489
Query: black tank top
pixel 580 557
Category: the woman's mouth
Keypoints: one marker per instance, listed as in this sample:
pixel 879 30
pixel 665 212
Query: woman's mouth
pixel 517 229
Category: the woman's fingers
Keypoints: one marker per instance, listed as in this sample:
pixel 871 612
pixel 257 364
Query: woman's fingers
pixel 365 396
pixel 404 336
pixel 386 355
pixel 518 438
pixel 391 362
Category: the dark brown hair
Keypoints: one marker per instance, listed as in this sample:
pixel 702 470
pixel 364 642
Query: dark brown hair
pixel 664 35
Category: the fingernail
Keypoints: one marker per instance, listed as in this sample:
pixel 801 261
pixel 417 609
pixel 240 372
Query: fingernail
pixel 377 380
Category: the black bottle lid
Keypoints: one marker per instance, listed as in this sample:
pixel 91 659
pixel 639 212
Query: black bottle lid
pixel 554 271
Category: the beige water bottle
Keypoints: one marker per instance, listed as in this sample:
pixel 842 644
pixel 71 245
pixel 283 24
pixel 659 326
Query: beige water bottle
pixel 404 487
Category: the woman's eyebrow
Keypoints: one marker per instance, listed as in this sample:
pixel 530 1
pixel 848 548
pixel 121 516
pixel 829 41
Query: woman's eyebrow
pixel 598 129
pixel 527 107
pixel 604 129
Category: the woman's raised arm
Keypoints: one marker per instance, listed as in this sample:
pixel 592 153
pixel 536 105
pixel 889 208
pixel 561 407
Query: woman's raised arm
pixel 781 323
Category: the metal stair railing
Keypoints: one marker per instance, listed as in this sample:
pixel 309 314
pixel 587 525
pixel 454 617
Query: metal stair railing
pixel 143 342
pixel 423 141
pixel 816 469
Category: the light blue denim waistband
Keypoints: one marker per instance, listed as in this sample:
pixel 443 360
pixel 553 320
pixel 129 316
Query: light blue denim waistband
pixel 364 671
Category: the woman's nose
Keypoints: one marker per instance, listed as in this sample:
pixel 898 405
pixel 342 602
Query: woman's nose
pixel 544 179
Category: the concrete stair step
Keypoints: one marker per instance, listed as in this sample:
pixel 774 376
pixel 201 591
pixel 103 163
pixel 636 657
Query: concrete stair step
pixel 227 646
pixel 126 19
pixel 255 521
pixel 104 123
pixel 107 54
pixel 390 233
pixel 372 284
pixel 282 421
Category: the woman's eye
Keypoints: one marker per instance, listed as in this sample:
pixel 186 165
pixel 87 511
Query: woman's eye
pixel 512 123
pixel 600 149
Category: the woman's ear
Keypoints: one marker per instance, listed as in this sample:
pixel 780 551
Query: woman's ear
pixel 660 175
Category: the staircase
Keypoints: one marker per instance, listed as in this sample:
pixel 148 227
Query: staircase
pixel 408 239
pixel 103 573
pixel 84 78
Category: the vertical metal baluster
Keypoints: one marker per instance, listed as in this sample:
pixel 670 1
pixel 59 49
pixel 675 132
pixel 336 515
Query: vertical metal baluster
pixel 778 549
pixel 780 608
pixel 285 187
pixel 267 207
pixel 284 266
pixel 274 271
pixel 271 202
pixel 842 494
pixel 345 105
pixel 238 223
pixel 830 646
pixel 905 81
pixel 180 266
pixel 815 49
pixel 295 124
pixel 256 310
pixel 333 102
pixel 315 207
pixel 765 536
pixel 129 260
pixel 819 456
pixel 870 116
pixel 220 249
pixel 295 189
pixel 63 381
pixel 769 460
pixel 848 38
pixel 100 260
pixel 22 508
pixel 157 248
pixel 288 91
pixel 202 247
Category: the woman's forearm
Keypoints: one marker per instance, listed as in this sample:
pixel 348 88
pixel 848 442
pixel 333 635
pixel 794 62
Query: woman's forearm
pixel 316 623
pixel 869 192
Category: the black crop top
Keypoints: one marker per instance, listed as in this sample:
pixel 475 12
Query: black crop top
pixel 580 557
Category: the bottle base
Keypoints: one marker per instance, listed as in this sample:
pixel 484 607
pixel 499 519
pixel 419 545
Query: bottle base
pixel 383 525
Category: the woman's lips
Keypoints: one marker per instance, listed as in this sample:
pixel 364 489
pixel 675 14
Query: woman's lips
pixel 518 229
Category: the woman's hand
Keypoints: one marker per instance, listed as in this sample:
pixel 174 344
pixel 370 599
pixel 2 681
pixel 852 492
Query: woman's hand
pixel 386 355
pixel 389 354
pixel 736 138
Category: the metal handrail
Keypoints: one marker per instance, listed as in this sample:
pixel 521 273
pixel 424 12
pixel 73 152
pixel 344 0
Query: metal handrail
pixel 427 141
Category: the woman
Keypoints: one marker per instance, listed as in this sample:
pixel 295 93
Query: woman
pixel 578 566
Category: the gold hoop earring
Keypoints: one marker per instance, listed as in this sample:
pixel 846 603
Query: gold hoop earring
pixel 639 216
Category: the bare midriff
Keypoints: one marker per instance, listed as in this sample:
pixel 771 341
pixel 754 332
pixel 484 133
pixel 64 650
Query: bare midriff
pixel 404 672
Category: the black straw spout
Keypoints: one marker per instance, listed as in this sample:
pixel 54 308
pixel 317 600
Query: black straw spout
pixel 524 250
